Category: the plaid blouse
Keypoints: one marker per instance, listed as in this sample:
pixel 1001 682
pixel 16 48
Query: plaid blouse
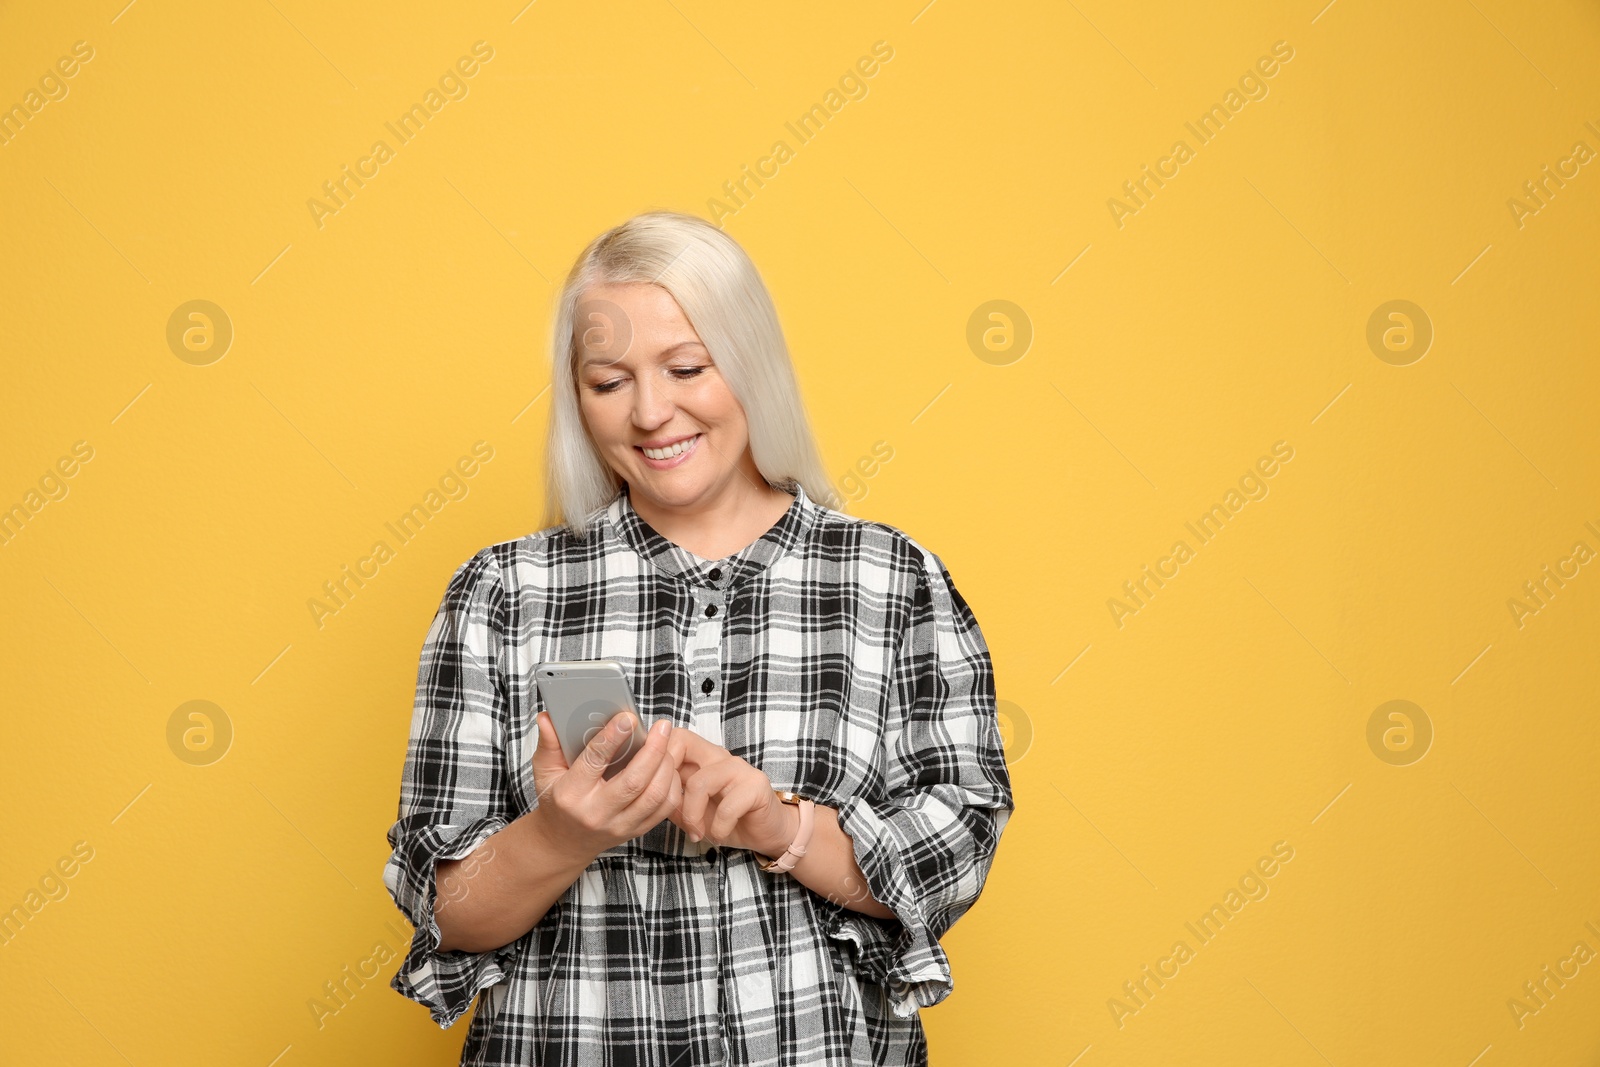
pixel 833 653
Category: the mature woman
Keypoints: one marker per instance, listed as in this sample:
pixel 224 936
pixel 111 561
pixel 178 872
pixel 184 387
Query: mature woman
pixel 823 788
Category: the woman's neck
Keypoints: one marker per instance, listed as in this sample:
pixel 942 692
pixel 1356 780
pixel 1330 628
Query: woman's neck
pixel 721 527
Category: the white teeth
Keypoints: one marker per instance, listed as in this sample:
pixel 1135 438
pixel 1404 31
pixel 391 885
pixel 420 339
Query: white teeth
pixel 671 450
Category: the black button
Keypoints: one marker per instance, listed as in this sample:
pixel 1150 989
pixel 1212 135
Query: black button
pixel 716 574
pixel 707 685
pixel 711 611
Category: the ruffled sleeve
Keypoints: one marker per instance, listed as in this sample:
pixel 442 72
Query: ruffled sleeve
pixel 453 790
pixel 926 846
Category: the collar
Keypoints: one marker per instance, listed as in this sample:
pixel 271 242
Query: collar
pixel 676 561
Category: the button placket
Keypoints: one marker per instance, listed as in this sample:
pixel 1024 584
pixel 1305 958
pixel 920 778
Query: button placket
pixel 705 624
pixel 704 655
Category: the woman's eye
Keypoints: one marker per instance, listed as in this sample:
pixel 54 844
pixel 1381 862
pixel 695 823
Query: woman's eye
pixel 608 387
pixel 686 372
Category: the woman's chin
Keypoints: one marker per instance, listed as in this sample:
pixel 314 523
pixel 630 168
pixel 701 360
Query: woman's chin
pixel 664 491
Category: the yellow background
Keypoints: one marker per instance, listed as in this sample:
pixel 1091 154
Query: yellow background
pixel 1230 312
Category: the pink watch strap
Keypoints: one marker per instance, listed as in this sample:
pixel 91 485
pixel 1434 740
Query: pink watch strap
pixel 802 839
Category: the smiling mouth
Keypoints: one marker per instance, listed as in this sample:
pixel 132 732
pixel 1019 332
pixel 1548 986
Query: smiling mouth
pixel 675 449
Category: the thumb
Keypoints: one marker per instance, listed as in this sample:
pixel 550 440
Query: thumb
pixel 603 744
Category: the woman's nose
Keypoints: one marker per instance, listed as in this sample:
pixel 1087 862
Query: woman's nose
pixel 651 408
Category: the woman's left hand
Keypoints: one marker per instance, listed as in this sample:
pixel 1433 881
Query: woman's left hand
pixel 726 800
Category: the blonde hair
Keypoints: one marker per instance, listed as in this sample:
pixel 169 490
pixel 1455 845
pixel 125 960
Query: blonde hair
pixel 726 302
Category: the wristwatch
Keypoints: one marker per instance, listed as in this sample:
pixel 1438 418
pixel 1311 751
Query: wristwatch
pixel 802 839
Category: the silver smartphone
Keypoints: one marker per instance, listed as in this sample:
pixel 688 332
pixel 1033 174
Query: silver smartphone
pixel 581 697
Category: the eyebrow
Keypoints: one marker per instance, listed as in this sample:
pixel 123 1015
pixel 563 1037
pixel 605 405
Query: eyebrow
pixel 665 352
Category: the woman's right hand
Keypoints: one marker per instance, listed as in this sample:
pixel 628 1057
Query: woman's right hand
pixel 581 807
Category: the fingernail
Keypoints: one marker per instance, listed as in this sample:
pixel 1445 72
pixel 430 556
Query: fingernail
pixel 623 724
pixel 660 728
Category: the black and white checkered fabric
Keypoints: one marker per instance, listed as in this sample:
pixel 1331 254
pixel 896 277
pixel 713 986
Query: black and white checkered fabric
pixel 840 659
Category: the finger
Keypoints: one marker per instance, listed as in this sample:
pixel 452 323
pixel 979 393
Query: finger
pixel 604 745
pixel 701 792
pixel 675 801
pixel 690 804
pixel 681 745
pixel 633 780
pixel 733 806
pixel 675 810
pixel 698 750
pixel 697 790
pixel 703 831
pixel 664 781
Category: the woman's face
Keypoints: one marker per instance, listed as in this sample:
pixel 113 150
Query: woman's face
pixel 655 405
